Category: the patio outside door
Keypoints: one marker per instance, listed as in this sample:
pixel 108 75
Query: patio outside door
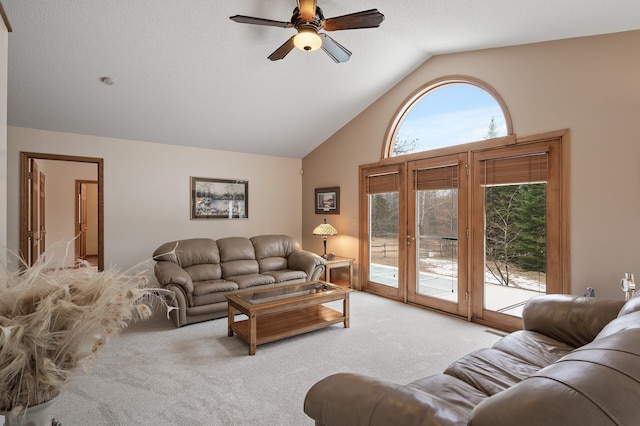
pixel 437 238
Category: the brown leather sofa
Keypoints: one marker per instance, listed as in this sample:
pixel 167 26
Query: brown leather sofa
pixel 577 362
pixel 202 271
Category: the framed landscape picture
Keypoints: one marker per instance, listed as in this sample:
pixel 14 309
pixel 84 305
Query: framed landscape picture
pixel 219 198
pixel 328 200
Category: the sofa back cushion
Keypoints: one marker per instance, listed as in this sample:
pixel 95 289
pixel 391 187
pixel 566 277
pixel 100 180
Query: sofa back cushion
pixel 204 272
pixel 237 256
pixel 272 251
pixel 624 322
pixel 632 305
pixel 195 251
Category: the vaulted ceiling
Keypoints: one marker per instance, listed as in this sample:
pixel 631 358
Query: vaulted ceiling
pixel 183 73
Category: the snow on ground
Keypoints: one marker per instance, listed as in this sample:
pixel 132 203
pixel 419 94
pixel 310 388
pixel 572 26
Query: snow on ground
pixel 447 268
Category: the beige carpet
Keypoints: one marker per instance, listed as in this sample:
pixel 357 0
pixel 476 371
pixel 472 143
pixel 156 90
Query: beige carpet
pixel 155 374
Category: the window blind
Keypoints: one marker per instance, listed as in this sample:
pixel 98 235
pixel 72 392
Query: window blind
pixel 435 178
pixel 387 182
pixel 513 170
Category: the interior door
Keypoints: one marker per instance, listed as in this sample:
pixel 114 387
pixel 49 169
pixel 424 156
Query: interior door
pixel 87 221
pixel 34 223
pixel 42 214
pixel 437 239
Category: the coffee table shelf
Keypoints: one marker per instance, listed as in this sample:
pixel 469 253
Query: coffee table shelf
pixel 280 326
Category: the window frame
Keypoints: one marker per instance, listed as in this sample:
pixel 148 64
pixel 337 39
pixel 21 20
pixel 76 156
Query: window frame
pixel 420 94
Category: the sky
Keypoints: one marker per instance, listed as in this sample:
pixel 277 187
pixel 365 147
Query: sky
pixel 451 115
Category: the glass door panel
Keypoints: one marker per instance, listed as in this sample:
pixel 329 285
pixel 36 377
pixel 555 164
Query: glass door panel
pixel 515 246
pixel 437 243
pixel 437 272
pixel 383 239
pixel 383 247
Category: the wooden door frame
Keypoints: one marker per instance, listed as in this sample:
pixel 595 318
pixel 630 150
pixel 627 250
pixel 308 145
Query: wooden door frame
pixel 460 307
pixel 364 284
pixel 556 144
pixel 25 158
pixel 78 225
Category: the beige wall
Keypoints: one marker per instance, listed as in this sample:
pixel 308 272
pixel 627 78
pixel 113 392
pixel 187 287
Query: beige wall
pixel 4 52
pixel 588 85
pixel 146 190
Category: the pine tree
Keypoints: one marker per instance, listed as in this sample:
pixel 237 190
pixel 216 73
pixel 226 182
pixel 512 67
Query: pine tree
pixel 530 220
pixel 493 129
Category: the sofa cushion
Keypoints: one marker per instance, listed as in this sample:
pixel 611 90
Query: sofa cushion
pixel 450 389
pixel 533 348
pixel 251 280
pixel 490 370
pixel 287 275
pixel 539 401
pixel 239 267
pixel 204 272
pixel 235 248
pixel 628 321
pixel 274 246
pixel 631 305
pixel 272 264
pixel 188 252
pixel 201 288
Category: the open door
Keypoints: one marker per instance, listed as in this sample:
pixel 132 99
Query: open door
pixel 34 222
pixel 87 221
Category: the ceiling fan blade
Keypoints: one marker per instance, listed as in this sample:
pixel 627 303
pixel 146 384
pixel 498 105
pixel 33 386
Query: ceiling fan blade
pixel 365 19
pixel 283 50
pixel 241 19
pixel 335 50
pixel 307 9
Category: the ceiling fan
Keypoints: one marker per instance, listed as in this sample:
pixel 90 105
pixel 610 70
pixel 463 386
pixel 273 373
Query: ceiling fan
pixel 308 20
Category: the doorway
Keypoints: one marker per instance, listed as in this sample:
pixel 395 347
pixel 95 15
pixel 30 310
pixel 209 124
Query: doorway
pixel 54 206
pixel 86 220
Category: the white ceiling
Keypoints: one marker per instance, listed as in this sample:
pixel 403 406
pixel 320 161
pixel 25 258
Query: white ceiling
pixel 185 74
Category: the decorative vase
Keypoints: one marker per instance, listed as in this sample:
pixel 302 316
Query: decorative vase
pixel 38 415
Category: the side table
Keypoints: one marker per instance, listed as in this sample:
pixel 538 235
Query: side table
pixel 339 262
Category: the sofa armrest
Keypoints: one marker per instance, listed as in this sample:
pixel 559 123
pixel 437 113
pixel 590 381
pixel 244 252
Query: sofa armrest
pixel 346 399
pixel 171 273
pixel 570 319
pixel 308 262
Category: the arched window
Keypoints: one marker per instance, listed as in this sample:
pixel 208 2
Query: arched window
pixel 447 113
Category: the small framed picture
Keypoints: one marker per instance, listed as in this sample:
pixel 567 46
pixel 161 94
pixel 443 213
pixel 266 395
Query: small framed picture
pixel 219 198
pixel 328 200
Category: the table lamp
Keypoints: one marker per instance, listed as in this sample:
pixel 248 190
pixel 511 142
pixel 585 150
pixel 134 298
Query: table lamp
pixel 325 230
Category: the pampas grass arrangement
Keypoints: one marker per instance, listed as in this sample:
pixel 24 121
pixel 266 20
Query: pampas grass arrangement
pixel 54 321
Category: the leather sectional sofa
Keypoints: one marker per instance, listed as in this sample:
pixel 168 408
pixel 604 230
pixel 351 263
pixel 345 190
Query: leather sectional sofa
pixel 577 362
pixel 202 271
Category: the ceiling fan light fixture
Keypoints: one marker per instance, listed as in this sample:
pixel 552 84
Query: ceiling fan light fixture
pixel 307 40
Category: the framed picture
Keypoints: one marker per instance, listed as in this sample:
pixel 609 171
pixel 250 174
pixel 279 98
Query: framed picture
pixel 328 200
pixel 219 198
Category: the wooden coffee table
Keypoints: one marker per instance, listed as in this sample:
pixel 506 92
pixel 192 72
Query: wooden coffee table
pixel 280 312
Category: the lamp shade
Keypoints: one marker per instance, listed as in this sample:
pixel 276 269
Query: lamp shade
pixel 325 229
pixel 307 39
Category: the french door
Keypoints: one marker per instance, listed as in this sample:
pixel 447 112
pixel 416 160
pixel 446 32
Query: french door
pixel 437 274
pixel 468 233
